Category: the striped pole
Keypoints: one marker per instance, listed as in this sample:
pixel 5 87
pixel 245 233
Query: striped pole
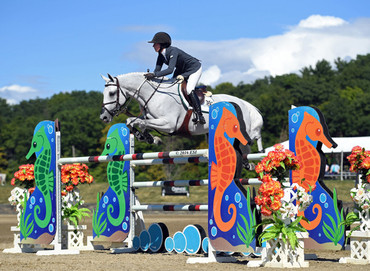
pixel 154 158
pixel 166 156
pixel 170 161
pixel 179 183
pixel 170 208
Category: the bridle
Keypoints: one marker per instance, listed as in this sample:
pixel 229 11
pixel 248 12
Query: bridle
pixel 120 108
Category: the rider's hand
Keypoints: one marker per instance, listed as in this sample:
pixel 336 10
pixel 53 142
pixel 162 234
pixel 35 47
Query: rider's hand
pixel 149 75
pixel 180 79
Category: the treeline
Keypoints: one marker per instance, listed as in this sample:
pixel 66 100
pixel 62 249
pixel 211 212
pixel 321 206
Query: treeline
pixel 341 92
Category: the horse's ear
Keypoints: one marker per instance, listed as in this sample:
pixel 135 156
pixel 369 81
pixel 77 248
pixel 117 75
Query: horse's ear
pixel 105 78
pixel 110 77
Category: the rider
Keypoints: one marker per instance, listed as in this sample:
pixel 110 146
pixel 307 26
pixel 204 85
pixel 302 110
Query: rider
pixel 187 68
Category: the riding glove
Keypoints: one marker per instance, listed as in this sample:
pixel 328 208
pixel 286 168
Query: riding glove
pixel 149 76
pixel 180 79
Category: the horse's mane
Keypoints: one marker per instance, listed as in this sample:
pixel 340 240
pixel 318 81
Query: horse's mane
pixel 165 81
pixel 131 73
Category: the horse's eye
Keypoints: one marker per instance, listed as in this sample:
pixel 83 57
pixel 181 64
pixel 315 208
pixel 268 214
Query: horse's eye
pixel 112 93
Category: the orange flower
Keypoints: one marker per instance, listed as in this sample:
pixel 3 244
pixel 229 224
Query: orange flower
pixel 69 188
pixel 90 179
pixel 366 163
pixel 259 168
pixel 279 147
pixel 356 149
pixel 275 205
pixel 30 190
pixel 265 211
pixel 75 181
pixel 258 200
pixel 266 178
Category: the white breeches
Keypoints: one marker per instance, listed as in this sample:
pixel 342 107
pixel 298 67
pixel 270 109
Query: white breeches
pixel 193 80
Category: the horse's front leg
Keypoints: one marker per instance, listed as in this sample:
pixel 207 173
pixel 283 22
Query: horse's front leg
pixel 131 123
pixel 148 124
pixel 162 125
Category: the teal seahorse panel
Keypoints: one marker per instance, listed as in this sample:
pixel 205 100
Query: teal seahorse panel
pixel 325 212
pixel 38 221
pixel 241 236
pixel 111 219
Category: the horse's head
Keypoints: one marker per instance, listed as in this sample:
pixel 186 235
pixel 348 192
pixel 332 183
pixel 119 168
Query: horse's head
pixel 114 97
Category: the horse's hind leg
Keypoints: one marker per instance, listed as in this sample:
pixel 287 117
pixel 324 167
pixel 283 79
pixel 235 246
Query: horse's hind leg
pixel 259 145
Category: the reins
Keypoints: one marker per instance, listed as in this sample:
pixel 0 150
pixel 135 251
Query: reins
pixel 124 108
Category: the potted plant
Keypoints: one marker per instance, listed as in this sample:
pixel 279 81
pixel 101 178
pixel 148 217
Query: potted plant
pixel 280 203
pixel 359 160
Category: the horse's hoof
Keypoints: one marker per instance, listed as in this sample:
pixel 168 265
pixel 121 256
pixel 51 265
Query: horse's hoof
pixel 250 166
pixel 157 140
pixel 202 120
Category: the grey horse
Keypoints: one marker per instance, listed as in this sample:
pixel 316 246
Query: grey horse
pixel 164 108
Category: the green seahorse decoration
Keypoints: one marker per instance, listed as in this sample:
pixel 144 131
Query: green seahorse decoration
pixel 44 178
pixel 117 179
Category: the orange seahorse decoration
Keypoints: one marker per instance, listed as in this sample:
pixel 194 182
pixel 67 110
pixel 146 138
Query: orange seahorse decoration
pixel 222 174
pixel 308 174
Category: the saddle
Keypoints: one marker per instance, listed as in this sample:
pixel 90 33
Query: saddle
pixel 200 91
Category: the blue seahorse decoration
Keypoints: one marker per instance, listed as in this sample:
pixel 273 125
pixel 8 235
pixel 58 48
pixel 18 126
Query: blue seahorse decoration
pixel 307 132
pixel 231 216
pixel 38 222
pixel 111 219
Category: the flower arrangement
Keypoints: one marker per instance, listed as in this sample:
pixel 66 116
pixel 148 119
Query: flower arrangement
pixel 359 160
pixel 71 176
pixel 25 177
pixel 278 200
pixel 361 196
pixel 75 174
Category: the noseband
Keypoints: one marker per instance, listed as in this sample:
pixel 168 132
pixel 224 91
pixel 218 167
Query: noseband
pixel 118 108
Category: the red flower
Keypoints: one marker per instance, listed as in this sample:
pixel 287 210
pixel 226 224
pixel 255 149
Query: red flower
pixel 366 163
pixel 275 205
pixel 30 190
pixel 279 147
pixel 265 211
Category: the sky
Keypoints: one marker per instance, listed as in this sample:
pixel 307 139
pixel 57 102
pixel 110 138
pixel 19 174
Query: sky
pixel 48 47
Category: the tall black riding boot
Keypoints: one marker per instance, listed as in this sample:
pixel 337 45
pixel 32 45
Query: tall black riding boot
pixel 196 105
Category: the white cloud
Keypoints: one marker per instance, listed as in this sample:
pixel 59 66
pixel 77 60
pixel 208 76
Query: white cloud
pixel 16 93
pixel 17 88
pixel 211 75
pixel 318 21
pixel 312 39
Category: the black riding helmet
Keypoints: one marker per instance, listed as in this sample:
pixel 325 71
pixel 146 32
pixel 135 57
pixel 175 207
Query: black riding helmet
pixel 162 38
